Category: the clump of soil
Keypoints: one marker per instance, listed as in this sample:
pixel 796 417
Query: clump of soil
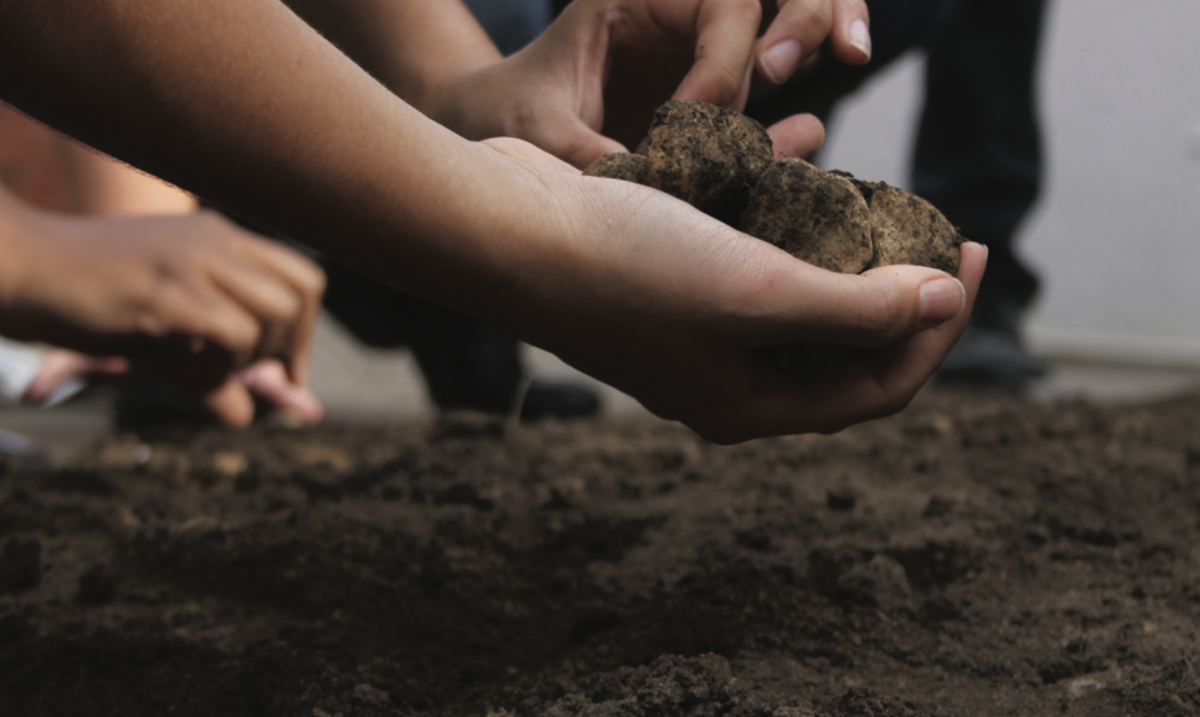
pixel 722 162
pixel 708 156
pixel 972 557
pixel 813 215
pixel 906 229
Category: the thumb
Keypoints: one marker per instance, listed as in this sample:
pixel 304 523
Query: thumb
pixel 797 136
pixel 569 138
pixel 230 403
pixel 524 151
pixel 870 310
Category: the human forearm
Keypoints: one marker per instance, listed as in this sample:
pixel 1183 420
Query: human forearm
pixel 106 187
pixel 14 253
pixel 414 47
pixel 241 102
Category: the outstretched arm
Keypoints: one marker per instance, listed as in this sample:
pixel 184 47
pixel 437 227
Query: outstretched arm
pixel 242 103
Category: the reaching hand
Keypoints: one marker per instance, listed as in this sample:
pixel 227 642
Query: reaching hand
pixel 192 299
pixel 589 85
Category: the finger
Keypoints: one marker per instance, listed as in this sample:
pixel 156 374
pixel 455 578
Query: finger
pixel 203 322
pixel 798 302
pixel 801 27
pixel 269 380
pixel 725 40
pixel 885 385
pixel 579 145
pixel 259 288
pixel 797 136
pixel 230 403
pixel 850 36
pixel 307 281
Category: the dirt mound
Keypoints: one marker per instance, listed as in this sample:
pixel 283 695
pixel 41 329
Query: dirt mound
pixel 972 556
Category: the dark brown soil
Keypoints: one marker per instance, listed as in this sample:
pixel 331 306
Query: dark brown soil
pixel 973 556
pixel 722 162
pixel 816 216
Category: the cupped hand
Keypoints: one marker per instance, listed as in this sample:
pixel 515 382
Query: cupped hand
pixel 673 307
pixel 192 298
pixel 589 85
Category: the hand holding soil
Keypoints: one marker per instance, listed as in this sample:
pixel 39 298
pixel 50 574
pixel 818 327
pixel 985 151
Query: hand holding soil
pixel 558 97
pixel 625 283
pixel 722 163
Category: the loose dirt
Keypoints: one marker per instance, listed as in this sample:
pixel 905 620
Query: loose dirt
pixel 971 556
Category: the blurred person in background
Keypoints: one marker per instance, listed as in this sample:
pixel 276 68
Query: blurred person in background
pixel 977 157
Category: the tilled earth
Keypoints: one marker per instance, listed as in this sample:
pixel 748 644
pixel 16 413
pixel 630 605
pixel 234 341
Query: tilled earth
pixel 972 556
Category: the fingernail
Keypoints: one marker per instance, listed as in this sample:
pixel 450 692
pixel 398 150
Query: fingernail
pixel 860 37
pixel 780 61
pixel 942 300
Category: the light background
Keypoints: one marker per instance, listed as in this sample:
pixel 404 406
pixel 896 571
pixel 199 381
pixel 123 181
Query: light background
pixel 1114 236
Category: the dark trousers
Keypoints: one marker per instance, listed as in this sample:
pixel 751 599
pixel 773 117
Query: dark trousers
pixel 466 363
pixel 978 151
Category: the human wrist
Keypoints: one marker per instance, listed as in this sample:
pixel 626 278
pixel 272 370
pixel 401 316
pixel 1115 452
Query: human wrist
pixel 503 259
pixel 452 97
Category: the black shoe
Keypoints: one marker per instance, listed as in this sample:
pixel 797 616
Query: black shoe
pixel 993 359
pixel 560 400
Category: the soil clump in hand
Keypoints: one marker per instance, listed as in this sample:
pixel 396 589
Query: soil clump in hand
pixel 722 162
pixel 708 156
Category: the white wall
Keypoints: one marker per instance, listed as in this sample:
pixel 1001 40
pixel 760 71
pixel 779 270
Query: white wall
pixel 1116 235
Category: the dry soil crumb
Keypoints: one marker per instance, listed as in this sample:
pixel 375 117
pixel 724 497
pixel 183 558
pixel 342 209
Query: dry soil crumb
pixel 815 216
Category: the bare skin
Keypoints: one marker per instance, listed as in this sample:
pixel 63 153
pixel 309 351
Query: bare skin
pixel 552 94
pixel 699 49
pixel 51 175
pixel 190 298
pixel 630 285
